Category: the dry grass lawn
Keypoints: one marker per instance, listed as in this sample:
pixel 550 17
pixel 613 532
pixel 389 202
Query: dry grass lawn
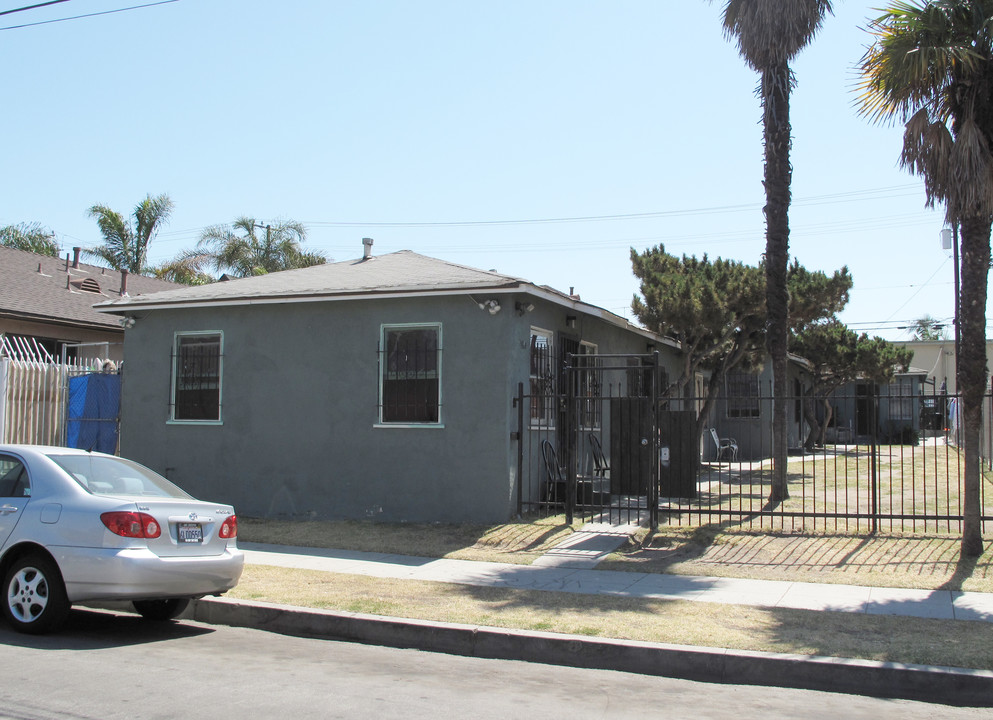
pixel 870 637
pixel 931 563
pixel 518 543
pixel 916 562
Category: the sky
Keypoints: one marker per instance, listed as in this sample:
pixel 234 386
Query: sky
pixel 539 138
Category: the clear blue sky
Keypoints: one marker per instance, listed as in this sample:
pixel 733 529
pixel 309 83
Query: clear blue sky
pixel 443 126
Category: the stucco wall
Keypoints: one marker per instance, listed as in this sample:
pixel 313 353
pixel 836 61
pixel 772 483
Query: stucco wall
pixel 299 435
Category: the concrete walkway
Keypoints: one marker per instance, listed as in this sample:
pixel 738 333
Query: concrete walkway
pixel 570 568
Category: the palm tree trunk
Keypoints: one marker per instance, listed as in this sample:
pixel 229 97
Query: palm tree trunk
pixel 775 88
pixel 972 371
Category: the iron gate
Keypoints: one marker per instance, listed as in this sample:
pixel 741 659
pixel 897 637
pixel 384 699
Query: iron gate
pixel 599 444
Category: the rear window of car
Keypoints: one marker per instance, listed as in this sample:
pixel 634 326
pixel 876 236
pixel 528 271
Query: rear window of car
pixel 103 475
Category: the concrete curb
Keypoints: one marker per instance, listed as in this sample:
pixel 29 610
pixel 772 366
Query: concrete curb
pixel 950 686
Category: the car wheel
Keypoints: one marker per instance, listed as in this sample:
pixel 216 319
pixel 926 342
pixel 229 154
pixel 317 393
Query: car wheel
pixel 35 598
pixel 160 610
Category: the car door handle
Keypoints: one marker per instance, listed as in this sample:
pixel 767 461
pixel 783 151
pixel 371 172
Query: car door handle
pixel 7 509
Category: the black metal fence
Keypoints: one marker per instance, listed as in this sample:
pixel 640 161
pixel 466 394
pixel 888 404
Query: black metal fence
pixel 884 463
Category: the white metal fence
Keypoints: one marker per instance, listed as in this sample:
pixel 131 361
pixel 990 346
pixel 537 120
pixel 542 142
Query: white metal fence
pixel 34 391
pixel 32 401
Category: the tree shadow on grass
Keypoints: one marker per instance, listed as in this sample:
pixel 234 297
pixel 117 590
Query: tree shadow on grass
pixel 965 568
pixel 660 550
pixel 824 633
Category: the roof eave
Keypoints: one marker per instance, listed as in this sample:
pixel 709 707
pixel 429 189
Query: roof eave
pixel 126 305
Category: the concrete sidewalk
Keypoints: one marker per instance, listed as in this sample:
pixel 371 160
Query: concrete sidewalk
pixel 569 569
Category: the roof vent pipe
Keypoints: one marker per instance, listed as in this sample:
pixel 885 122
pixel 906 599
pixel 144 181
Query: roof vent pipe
pixel 124 282
pixel 75 257
pixel 366 248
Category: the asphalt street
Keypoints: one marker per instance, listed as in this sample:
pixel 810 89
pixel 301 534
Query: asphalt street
pixel 108 666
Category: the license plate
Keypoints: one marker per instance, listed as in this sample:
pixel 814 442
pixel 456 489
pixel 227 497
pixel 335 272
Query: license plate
pixel 190 533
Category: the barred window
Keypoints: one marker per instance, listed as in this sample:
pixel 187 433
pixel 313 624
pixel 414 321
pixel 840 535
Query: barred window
pixel 410 376
pixel 196 377
pixel 742 395
pixel 590 380
pixel 542 378
pixel 902 398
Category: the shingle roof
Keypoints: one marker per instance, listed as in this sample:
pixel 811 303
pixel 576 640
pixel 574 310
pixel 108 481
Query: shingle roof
pixel 394 273
pixel 41 288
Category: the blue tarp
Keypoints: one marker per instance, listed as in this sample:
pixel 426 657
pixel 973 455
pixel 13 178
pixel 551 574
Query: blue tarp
pixel 94 406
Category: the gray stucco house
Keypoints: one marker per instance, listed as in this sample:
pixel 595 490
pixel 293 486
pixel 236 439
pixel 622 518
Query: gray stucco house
pixel 743 410
pixel 377 388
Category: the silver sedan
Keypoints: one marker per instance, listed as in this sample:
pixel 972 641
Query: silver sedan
pixel 79 527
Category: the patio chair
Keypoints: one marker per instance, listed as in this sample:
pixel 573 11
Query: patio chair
pixel 725 446
pixel 554 489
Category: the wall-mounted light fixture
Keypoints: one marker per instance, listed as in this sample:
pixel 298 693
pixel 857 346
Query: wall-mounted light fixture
pixel 570 320
pixel 523 308
pixel 127 322
pixel 491 306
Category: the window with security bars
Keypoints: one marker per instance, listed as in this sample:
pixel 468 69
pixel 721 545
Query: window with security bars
pixel 639 378
pixel 542 378
pixel 742 395
pixel 590 381
pixel 410 383
pixel 901 393
pixel 197 377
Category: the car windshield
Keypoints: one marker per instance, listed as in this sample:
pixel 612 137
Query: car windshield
pixel 102 475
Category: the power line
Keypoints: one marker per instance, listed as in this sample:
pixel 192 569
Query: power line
pixel 78 17
pixel 32 7
pixel 719 209
pixel 917 292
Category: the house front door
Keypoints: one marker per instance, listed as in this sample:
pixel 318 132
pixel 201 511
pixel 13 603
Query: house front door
pixel 865 409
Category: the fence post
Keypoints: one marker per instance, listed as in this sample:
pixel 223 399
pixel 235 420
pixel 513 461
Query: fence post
pixel 4 365
pixel 519 403
pixel 653 490
pixel 570 436
pixel 873 459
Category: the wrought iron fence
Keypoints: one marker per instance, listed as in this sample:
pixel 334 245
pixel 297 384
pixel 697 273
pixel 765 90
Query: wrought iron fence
pixel 884 463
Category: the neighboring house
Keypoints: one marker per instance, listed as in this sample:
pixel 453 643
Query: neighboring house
pixel 46 305
pixel 893 412
pixel 743 411
pixel 378 388
pixel 936 362
pixel 936 358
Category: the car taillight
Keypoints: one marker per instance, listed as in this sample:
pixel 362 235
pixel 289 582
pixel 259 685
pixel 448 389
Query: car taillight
pixel 132 524
pixel 229 528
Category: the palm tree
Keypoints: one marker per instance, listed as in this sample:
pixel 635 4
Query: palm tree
pixel 242 252
pixel 928 328
pixel 182 272
pixel 126 241
pixel 931 67
pixel 31 237
pixel 769 34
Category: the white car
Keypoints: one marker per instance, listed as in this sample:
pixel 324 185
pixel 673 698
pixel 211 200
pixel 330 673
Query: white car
pixel 79 527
